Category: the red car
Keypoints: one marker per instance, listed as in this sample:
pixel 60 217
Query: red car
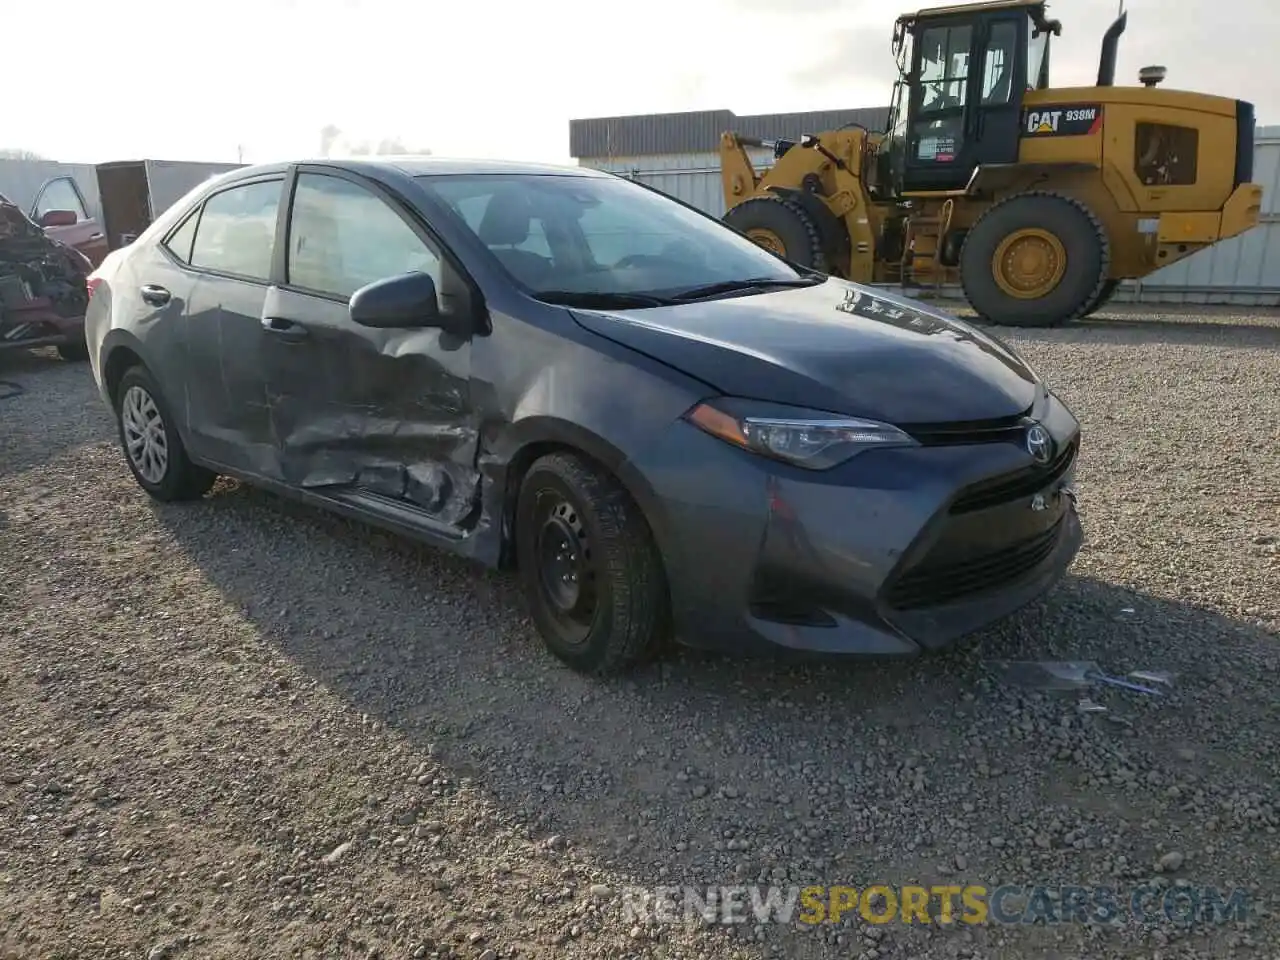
pixel 43 287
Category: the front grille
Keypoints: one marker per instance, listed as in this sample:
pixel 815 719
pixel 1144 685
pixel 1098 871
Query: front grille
pixel 931 585
pixel 1014 486
pixel 1002 430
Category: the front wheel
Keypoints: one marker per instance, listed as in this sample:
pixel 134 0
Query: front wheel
pixel 75 352
pixel 152 447
pixel 588 566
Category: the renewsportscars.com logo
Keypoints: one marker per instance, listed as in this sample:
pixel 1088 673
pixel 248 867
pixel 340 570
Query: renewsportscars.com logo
pixel 972 904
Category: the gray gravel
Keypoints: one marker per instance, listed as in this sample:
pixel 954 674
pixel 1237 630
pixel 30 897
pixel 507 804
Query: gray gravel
pixel 245 729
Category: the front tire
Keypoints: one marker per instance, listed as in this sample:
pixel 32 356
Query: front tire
pixel 783 227
pixel 151 444
pixel 1035 260
pixel 74 352
pixel 589 567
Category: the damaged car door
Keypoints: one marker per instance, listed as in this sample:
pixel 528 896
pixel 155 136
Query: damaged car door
pixel 228 245
pixel 379 417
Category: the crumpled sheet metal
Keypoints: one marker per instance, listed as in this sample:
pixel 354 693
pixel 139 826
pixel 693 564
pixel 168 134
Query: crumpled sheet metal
pixel 42 267
pixel 354 449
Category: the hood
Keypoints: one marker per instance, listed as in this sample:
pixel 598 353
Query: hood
pixel 837 347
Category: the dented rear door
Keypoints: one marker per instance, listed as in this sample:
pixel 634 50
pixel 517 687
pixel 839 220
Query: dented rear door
pixel 383 417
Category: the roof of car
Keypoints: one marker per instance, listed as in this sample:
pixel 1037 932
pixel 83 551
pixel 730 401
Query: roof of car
pixel 415 166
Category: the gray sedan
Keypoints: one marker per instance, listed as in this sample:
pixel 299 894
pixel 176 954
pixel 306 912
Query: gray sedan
pixel 663 427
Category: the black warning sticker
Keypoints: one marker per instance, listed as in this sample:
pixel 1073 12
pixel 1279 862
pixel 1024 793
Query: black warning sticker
pixel 1065 120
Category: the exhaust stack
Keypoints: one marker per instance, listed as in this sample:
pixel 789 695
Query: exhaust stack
pixel 1110 41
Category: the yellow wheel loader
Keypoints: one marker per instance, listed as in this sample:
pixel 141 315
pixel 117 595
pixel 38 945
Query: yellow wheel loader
pixel 1037 201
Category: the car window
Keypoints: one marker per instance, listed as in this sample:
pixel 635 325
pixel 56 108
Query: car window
pixel 472 209
pixel 60 194
pixel 624 238
pixel 612 236
pixel 237 230
pixel 342 236
pixel 179 242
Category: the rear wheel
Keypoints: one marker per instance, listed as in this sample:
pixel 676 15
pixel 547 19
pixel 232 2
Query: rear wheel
pixel 152 447
pixel 1108 291
pixel 783 227
pixel 1035 260
pixel 588 566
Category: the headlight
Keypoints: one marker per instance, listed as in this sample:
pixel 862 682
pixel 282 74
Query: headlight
pixel 809 440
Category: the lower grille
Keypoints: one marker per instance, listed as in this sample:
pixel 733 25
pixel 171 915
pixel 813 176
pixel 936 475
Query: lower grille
pixel 931 585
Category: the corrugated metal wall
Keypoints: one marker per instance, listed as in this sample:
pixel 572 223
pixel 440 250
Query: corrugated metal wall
pixel 692 177
pixel 1244 270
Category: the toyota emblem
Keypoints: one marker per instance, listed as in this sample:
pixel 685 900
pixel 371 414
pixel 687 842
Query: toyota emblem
pixel 1039 444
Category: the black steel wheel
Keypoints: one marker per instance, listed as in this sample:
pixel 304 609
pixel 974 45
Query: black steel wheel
pixel 566 572
pixel 589 568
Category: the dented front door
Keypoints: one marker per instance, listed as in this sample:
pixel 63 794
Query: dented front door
pixel 383 417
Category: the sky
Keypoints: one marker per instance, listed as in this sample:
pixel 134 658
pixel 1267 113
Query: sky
pixel 258 80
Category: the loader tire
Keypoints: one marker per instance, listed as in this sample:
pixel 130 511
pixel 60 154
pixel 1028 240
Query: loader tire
pixel 781 226
pixel 1108 291
pixel 1037 259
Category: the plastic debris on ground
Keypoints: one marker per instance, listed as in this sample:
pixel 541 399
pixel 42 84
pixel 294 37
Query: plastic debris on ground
pixel 1079 676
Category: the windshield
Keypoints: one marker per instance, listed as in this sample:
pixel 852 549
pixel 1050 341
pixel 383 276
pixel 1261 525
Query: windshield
pixel 595 236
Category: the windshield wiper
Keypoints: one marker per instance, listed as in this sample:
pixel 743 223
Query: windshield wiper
pixel 750 283
pixel 589 300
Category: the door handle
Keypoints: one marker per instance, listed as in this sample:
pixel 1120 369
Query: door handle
pixel 284 329
pixel 155 294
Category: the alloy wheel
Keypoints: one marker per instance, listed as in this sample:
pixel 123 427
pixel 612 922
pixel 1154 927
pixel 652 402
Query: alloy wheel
pixel 145 439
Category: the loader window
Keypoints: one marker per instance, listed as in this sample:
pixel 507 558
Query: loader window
pixel 1165 155
pixel 998 64
pixel 937 130
pixel 944 68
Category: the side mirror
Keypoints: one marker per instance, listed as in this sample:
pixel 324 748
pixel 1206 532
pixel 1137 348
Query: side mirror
pixel 59 218
pixel 403 301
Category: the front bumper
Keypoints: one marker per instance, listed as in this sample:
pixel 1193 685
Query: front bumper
pixel 895 552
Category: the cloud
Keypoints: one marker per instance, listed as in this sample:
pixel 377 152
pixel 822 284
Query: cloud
pixel 851 56
pixel 805 7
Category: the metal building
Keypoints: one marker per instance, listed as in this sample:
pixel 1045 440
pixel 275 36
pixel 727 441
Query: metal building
pixel 678 154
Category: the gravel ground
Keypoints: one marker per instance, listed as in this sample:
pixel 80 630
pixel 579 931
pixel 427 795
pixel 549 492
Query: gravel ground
pixel 245 729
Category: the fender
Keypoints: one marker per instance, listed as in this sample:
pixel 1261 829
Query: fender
pixel 112 343
pixel 505 460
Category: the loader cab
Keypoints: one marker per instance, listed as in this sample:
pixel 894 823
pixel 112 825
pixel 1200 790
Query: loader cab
pixel 963 72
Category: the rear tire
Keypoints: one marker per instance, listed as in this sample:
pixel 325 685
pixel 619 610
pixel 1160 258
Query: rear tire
pixel 588 566
pixel 781 226
pixel 151 444
pixel 1035 260
pixel 1108 291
